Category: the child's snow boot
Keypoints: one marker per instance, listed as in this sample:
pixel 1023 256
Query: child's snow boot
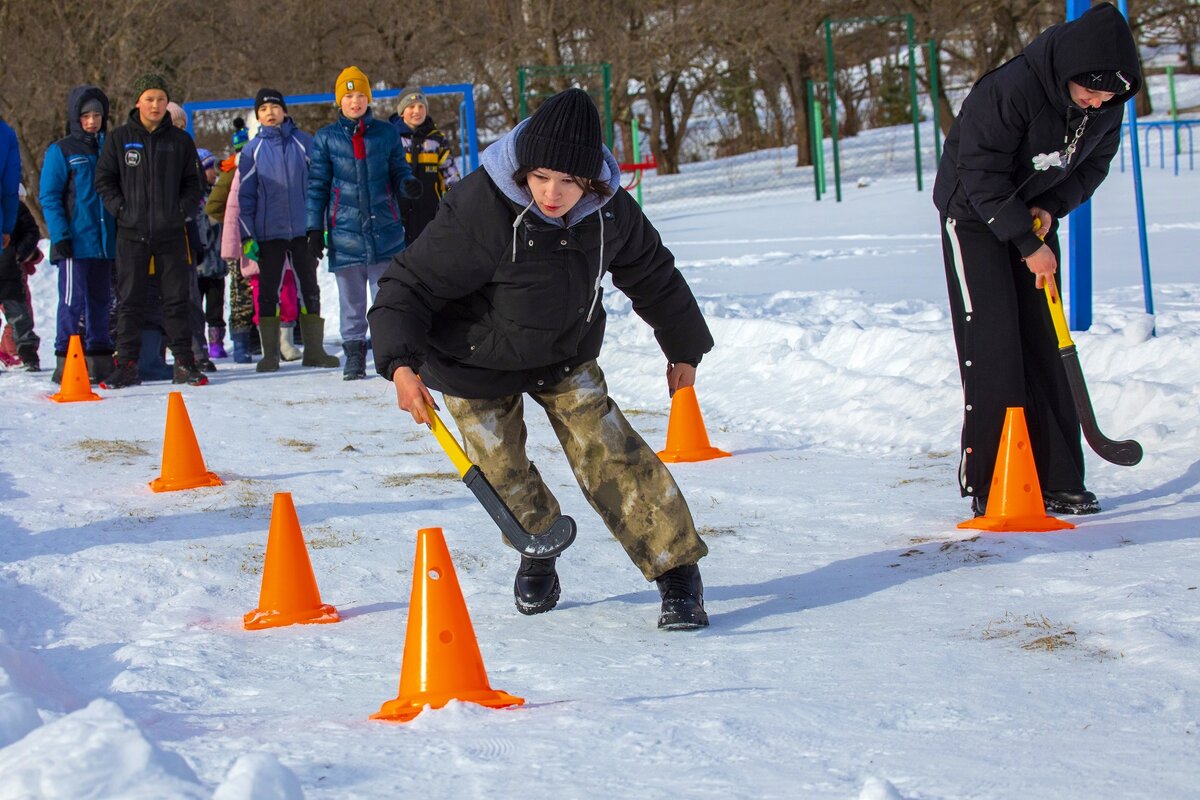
pixel 187 371
pixel 152 365
pixel 682 594
pixel 60 361
pixel 124 374
pixel 314 334
pixel 1067 501
pixel 287 350
pixel 28 354
pixel 356 361
pixel 99 364
pixel 536 588
pixel 255 341
pixel 216 342
pixel 268 329
pixel 241 347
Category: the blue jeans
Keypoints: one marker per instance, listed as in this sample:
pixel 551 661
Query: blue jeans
pixel 84 303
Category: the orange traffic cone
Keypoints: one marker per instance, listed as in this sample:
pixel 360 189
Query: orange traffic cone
pixel 289 589
pixel 441 657
pixel 1015 499
pixel 686 438
pixel 182 464
pixel 75 384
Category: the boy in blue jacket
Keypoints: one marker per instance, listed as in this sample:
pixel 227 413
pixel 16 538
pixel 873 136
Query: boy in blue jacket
pixel 357 176
pixel 83 240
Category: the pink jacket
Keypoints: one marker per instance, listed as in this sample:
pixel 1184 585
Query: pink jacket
pixel 231 243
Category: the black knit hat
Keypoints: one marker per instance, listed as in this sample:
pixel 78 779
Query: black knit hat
pixel 1104 81
pixel 563 135
pixel 268 96
pixel 151 80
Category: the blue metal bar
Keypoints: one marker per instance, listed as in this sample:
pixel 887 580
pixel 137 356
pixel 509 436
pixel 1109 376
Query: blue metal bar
pixel 467 90
pixel 1143 244
pixel 1079 286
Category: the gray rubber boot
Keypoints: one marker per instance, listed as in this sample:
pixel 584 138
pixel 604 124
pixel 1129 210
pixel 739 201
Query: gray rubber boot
pixel 312 329
pixel 268 330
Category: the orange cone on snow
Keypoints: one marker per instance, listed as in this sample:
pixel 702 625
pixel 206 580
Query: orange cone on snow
pixel 76 385
pixel 289 589
pixel 1015 498
pixel 182 464
pixel 441 657
pixel 687 440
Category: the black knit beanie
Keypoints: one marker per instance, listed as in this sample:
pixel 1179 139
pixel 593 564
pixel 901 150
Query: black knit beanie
pixel 151 80
pixel 1104 81
pixel 563 135
pixel 268 96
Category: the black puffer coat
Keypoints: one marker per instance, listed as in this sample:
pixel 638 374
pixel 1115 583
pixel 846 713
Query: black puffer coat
pixel 475 322
pixel 1023 109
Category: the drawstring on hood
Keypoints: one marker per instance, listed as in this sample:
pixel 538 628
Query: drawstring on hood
pixel 516 224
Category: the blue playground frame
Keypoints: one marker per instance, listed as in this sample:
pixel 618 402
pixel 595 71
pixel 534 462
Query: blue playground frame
pixel 1079 288
pixel 468 134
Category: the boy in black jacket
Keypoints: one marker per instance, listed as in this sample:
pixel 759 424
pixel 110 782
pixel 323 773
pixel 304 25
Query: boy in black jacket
pixel 14 292
pixel 148 177
pixel 1032 142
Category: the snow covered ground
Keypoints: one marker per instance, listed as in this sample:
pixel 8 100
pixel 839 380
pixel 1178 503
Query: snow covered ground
pixel 861 646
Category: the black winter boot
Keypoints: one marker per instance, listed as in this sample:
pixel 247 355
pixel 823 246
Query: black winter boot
pixel 682 594
pixel 536 588
pixel 187 372
pixel 355 367
pixel 28 354
pixel 124 374
pixel 978 505
pixel 268 327
pixel 60 363
pixel 1070 501
pixel 99 366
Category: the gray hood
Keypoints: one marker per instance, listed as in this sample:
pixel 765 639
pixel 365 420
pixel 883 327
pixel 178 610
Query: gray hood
pixel 500 162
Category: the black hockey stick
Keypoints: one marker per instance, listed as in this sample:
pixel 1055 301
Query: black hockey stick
pixel 1126 452
pixel 546 545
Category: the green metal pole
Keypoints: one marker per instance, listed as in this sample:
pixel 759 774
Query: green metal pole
pixel 637 156
pixel 935 89
pixel 1174 107
pixel 521 92
pixel 833 132
pixel 610 132
pixel 814 135
pixel 912 88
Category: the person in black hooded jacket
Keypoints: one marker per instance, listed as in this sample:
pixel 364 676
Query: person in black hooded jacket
pixel 500 297
pixel 1032 142
pixel 148 176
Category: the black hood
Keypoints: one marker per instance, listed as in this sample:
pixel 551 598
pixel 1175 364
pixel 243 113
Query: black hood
pixel 1100 40
pixel 75 100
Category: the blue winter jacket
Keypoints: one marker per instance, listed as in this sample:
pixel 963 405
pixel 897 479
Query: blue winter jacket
pixel 67 190
pixel 354 197
pixel 274 172
pixel 10 177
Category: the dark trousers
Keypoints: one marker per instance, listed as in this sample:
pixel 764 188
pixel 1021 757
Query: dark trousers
pixel 84 303
pixel 174 275
pixel 271 257
pixel 1007 356
pixel 212 293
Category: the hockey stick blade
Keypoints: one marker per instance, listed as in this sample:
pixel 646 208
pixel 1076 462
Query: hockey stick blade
pixel 547 545
pixel 1126 452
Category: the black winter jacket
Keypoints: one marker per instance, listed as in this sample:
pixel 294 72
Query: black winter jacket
pixel 149 181
pixel 23 243
pixel 1022 110
pixel 457 307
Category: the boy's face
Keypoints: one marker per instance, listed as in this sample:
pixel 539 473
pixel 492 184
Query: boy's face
pixel 152 105
pixel 91 121
pixel 414 114
pixel 1088 98
pixel 354 104
pixel 210 175
pixel 271 114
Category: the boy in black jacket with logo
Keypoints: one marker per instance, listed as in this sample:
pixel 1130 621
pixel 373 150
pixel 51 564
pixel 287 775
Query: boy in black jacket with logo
pixel 148 177
pixel 1032 142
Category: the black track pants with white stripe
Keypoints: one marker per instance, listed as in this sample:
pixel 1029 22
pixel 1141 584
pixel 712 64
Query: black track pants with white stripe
pixel 1007 356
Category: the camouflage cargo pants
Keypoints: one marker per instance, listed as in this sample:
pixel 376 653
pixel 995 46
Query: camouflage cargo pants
pixel 620 475
pixel 241 299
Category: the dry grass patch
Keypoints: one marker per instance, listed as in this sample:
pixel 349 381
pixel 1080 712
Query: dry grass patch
pixel 710 531
pixel 296 444
pixel 409 478
pixel 111 449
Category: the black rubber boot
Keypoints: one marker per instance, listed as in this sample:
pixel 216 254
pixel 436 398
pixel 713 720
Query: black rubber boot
pixel 99 366
pixel 682 594
pixel 1070 501
pixel 355 367
pixel 314 333
pixel 536 588
pixel 60 362
pixel 187 372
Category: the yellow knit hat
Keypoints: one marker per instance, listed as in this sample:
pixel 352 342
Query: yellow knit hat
pixel 351 79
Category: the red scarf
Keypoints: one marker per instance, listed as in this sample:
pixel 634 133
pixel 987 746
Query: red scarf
pixel 360 141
